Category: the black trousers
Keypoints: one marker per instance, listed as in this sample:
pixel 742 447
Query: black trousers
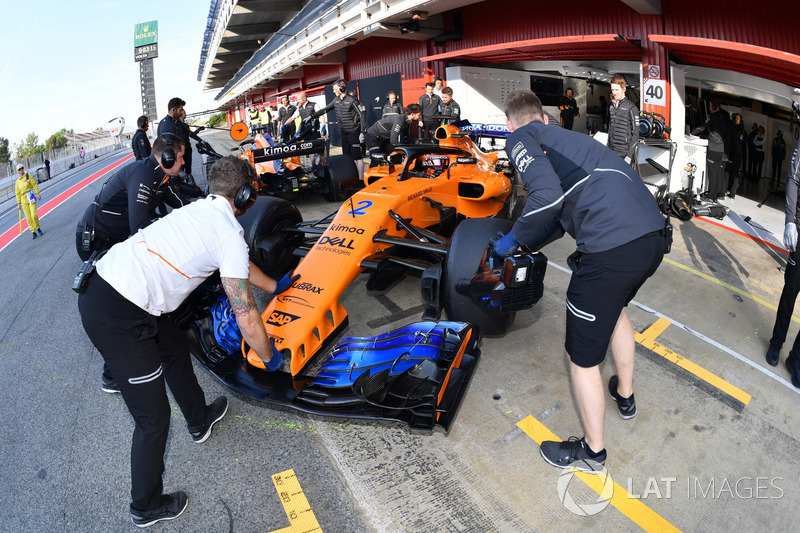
pixel 715 169
pixel 143 352
pixel 791 287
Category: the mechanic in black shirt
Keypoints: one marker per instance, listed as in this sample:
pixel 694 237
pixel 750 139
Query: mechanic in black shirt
pixel 791 277
pixel 569 109
pixel 578 186
pixel 287 127
pixel 140 143
pixel 449 107
pixel 392 106
pixel 173 123
pixel 304 110
pixel 430 108
pixel 720 133
pixel 392 130
pixel 352 118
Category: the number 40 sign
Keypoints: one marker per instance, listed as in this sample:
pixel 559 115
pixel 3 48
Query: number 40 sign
pixel 654 92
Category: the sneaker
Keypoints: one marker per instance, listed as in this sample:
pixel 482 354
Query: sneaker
pixel 40 231
pixel 572 453
pixel 214 413
pixel 172 506
pixel 109 385
pixel 774 352
pixel 794 371
pixel 626 406
pixel 34 234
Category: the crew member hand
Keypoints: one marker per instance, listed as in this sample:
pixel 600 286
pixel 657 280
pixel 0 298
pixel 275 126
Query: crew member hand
pixel 285 282
pixel 277 357
pixel 790 236
pixel 504 245
pixel 361 138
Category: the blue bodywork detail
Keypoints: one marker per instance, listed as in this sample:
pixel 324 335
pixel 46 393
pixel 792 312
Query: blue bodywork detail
pixel 226 330
pixel 396 351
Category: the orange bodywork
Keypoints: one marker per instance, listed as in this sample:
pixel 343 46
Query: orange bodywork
pixel 308 316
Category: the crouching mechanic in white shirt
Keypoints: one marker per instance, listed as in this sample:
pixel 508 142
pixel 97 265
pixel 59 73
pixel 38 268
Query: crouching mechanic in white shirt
pixel 126 308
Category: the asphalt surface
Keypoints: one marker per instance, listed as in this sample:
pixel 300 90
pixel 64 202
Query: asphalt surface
pixel 65 444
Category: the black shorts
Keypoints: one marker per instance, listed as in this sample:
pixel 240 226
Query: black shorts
pixel 351 145
pixel 602 284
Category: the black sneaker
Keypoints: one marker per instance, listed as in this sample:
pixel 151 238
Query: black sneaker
pixel 214 413
pixel 774 352
pixel 34 234
pixel 572 453
pixel 40 231
pixel 109 385
pixel 794 371
pixel 172 505
pixel 626 406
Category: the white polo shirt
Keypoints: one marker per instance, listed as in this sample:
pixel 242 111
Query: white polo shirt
pixel 160 265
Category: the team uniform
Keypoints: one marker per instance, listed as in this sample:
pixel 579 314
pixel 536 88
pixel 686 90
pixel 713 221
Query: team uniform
pixel 430 108
pixel 125 311
pixel 451 110
pixel 352 118
pixel 387 133
pixel 126 203
pixel 392 109
pixel 623 127
pixel 578 186
pixel 140 145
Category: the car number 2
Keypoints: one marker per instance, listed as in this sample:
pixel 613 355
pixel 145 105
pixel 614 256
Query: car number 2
pixel 363 205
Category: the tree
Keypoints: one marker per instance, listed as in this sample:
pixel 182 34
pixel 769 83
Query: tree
pixel 56 140
pixel 5 155
pixel 29 147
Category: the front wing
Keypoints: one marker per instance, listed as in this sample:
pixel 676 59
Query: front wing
pixel 417 374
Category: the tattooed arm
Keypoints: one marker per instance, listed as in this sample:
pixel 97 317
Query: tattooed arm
pixel 240 296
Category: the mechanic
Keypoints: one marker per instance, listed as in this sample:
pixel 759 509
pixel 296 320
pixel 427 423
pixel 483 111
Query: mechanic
pixel 173 123
pixel 140 143
pixel 127 203
pixel 430 103
pixel 791 277
pixel 623 122
pixel 580 187
pixel 27 192
pixel 569 109
pixel 449 107
pixel 720 133
pixel 287 126
pixel 352 118
pixel 392 106
pixel 304 110
pixel 125 310
pixel 392 130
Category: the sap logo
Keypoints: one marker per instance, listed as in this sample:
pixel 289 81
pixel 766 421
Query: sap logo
pixel 341 242
pixel 346 229
pixel 277 318
pixel 303 286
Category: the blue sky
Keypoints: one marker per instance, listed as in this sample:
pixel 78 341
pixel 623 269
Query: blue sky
pixel 70 64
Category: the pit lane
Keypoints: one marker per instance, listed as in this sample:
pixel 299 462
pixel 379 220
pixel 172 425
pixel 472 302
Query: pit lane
pixel 699 455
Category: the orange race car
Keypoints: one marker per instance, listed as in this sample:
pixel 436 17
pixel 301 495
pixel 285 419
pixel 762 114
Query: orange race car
pixel 428 210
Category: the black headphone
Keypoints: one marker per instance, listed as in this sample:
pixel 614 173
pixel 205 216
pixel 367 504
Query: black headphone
pixel 342 87
pixel 168 156
pixel 247 194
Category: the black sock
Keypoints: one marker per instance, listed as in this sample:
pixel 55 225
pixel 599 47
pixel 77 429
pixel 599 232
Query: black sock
pixel 592 455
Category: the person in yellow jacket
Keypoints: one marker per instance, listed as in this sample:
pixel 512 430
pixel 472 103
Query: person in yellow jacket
pixel 255 120
pixel 27 195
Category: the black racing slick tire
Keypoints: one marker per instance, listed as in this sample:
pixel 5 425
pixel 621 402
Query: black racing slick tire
pixel 270 248
pixel 342 177
pixel 469 241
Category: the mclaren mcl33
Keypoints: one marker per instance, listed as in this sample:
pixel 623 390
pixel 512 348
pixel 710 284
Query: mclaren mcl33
pixel 428 210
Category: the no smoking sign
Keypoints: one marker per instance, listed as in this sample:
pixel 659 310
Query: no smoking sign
pixel 653 72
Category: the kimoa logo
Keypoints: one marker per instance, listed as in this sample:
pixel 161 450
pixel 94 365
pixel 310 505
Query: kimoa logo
pixel 346 229
pixel 276 318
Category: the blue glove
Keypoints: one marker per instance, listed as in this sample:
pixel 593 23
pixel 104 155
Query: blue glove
pixel 324 130
pixel 504 245
pixel 277 357
pixel 285 282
